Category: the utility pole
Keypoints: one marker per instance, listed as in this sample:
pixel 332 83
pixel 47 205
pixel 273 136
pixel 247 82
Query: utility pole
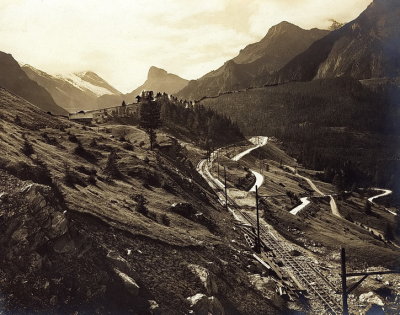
pixel 346 291
pixel 344 284
pixel 218 164
pixel 226 192
pixel 258 245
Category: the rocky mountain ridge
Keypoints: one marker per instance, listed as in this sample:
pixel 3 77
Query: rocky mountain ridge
pixel 14 79
pixel 282 42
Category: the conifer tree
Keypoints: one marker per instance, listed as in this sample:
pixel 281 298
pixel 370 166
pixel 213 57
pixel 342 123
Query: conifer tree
pixel 149 116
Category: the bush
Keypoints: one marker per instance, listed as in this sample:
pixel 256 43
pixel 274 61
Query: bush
pixel 165 220
pixel 17 120
pixel 152 216
pixel 49 140
pixel 27 148
pixel 92 180
pixel 82 152
pixel 73 138
pixel 127 146
pixel 93 143
pixel 111 168
pixel 141 203
pixel 72 178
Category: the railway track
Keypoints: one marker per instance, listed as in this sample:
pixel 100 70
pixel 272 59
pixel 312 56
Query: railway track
pixel 309 277
pixel 320 290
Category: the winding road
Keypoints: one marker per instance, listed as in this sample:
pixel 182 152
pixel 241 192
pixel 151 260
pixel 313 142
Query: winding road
pixel 332 202
pixel 259 142
pixel 385 192
pixel 303 269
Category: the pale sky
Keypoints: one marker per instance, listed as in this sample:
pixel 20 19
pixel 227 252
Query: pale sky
pixel 121 39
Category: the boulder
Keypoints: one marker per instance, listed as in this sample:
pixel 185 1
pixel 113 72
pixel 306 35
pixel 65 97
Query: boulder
pixel 200 304
pixel 59 225
pixel 120 263
pixel 154 308
pixel 207 278
pixel 128 282
pixel 370 298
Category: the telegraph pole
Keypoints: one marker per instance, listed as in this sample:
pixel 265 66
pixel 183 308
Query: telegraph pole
pixel 344 284
pixel 346 291
pixel 218 164
pixel 226 192
pixel 258 245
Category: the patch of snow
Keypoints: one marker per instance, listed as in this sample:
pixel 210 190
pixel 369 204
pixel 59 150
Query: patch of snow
pixel 83 85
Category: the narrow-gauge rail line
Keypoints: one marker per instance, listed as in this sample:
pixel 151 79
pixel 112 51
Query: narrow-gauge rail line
pixel 318 287
pixel 311 280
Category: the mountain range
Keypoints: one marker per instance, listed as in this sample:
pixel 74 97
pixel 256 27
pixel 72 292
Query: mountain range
pixel 14 79
pixel 282 42
pixel 87 90
pixel 77 91
pixel 159 80
pixel 336 103
pixel 367 47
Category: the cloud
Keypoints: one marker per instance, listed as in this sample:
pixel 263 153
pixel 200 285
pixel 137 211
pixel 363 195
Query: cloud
pixel 121 39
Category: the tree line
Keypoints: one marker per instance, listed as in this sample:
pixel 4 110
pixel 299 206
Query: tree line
pixel 206 127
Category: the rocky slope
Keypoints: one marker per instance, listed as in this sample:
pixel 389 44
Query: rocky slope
pixel 282 42
pixel 368 47
pixel 77 91
pixel 14 79
pixel 93 221
pixel 159 80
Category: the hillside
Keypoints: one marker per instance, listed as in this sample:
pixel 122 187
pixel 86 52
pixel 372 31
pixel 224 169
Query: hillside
pixel 14 79
pixel 92 220
pixel 367 47
pixel 158 80
pixel 323 123
pixel 282 42
pixel 79 91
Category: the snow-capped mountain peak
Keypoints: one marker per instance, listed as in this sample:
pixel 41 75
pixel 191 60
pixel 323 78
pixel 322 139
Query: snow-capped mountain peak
pixel 79 81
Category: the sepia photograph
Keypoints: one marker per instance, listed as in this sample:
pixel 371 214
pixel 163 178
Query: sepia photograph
pixel 217 157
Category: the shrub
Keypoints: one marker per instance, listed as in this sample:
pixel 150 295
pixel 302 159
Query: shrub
pixel 49 140
pixel 152 215
pixel 141 203
pixel 17 120
pixel 127 146
pixel 93 143
pixel 92 180
pixel 72 178
pixel 73 138
pixel 82 152
pixel 165 220
pixel 27 148
pixel 111 168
